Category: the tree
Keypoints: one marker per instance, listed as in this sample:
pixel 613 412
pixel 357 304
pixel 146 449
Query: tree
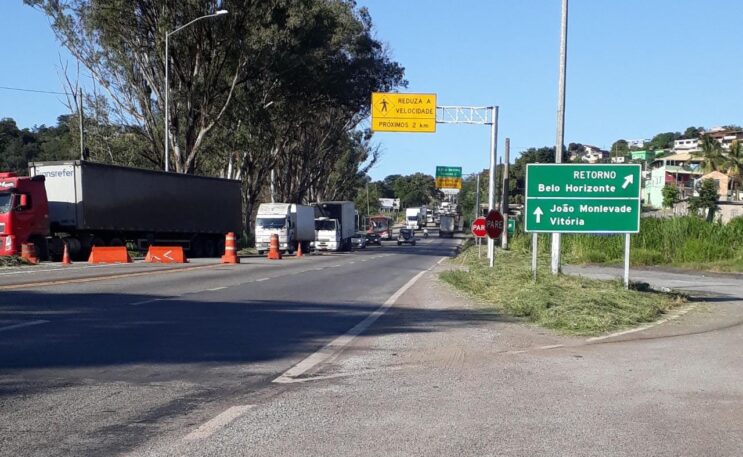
pixel 734 166
pixel 670 195
pixel 692 132
pixel 711 153
pixel 415 190
pixel 707 199
pixel 122 44
pixel 620 148
pixel 517 172
pixel 663 140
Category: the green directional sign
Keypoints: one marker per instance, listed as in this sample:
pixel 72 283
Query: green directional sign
pixel 567 198
pixel 448 177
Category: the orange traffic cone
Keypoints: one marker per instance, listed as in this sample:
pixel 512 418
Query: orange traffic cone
pixel 66 256
pixel 230 250
pixel 273 251
pixel 28 252
pixel 299 250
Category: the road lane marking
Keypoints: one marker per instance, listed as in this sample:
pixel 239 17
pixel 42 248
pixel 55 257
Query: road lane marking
pixel 22 324
pixel 208 428
pixel 143 302
pixel 214 289
pixel 334 348
pixel 262 279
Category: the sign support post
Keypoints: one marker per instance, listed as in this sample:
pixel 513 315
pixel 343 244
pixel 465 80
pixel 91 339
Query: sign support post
pixel 626 260
pixel 534 247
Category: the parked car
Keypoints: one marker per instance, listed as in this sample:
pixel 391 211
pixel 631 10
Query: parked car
pixel 359 240
pixel 373 238
pixel 406 235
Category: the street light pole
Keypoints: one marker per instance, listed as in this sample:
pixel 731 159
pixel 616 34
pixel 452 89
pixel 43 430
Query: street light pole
pixel 555 261
pixel 167 65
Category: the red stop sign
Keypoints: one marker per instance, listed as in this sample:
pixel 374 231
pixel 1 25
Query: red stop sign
pixel 478 228
pixel 494 224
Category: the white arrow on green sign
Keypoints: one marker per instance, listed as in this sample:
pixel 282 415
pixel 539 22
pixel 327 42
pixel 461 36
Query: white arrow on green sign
pixel 568 198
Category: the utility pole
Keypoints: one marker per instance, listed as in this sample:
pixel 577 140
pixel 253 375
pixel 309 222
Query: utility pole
pixel 555 263
pixel 504 194
pixel 80 118
pixel 368 213
pixel 491 183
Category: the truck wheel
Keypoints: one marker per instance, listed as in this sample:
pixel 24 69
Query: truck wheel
pixel 210 248
pixel 42 250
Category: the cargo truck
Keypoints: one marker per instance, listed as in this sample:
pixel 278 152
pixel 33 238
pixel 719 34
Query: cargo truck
pixel 413 218
pixel 335 225
pixel 446 225
pixel 84 204
pixel 294 224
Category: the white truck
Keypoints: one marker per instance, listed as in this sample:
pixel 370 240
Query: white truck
pixel 413 218
pixel 446 225
pixel 335 225
pixel 294 224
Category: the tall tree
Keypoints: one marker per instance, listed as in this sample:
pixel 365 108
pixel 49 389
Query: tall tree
pixel 122 44
pixel 711 154
pixel 734 166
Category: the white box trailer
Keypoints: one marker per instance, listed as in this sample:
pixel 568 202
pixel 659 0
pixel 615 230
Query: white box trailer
pixel 344 212
pixel 293 223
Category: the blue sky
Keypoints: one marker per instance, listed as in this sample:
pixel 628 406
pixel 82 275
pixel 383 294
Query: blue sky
pixel 635 68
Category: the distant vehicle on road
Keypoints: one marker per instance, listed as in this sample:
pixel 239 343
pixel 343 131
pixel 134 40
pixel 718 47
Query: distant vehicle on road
pixel 406 235
pixel 413 218
pixel 446 225
pixel 294 224
pixel 359 240
pixel 380 225
pixel 373 238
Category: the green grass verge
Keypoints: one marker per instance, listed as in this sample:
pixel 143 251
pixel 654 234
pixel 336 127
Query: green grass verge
pixel 684 242
pixel 568 304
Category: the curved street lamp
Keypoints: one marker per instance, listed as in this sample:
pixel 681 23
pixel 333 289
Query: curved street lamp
pixel 167 64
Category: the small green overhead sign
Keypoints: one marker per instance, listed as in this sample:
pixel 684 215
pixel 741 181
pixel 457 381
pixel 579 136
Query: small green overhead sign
pixel 567 198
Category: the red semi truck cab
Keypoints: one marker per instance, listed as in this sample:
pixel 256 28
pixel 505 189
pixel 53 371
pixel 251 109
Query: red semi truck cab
pixel 24 212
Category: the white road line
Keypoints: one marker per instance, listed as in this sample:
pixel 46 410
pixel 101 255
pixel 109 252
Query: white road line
pixel 333 348
pixel 262 279
pixel 213 289
pixel 210 427
pixel 644 327
pixel 152 300
pixel 22 324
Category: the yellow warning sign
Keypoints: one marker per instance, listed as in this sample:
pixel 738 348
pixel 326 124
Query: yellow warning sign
pixel 448 183
pixel 403 112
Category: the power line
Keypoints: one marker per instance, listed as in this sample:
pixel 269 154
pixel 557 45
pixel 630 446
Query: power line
pixel 35 91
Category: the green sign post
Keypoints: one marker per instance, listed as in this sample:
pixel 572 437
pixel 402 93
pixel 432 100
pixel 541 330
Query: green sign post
pixel 568 198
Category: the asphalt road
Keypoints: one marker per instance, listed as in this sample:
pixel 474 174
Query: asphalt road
pixel 359 354
pixel 96 361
